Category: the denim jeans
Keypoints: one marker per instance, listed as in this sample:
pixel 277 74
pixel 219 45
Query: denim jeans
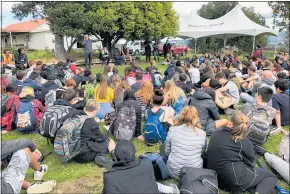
pixel 247 97
pixel 88 58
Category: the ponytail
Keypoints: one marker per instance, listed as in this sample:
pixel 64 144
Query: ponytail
pixel 240 126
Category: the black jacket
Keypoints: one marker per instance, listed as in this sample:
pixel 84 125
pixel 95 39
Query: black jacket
pixel 135 177
pixel 166 48
pixel 78 106
pixel 78 79
pixel 21 59
pixel 50 85
pixel 207 110
pixel 93 142
pixel 233 161
pixel 138 110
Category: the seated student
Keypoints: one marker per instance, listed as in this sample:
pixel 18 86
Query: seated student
pixel 93 142
pixel 90 87
pixel 157 77
pixel 27 117
pixel 250 79
pixel 204 102
pixel 9 101
pixel 49 85
pixel 105 96
pixel 280 101
pixel 129 175
pixel 130 101
pixel 16 158
pixel 136 86
pixel 182 84
pixel 170 71
pixel 185 143
pixel 245 65
pixel 31 67
pixel 180 70
pixel 194 73
pixel 262 98
pixel 7 59
pixel 144 95
pixel 231 154
pixel 117 86
pixel 79 76
pixel 21 59
pixel 31 82
pixel 20 76
pixel 161 116
pixel 173 96
pixel 228 87
pixel 104 55
pixel 69 84
pixel 130 76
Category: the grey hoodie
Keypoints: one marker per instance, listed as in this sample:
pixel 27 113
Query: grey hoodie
pixel 268 82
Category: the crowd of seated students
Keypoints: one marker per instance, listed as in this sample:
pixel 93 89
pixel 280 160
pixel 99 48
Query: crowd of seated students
pixel 185 103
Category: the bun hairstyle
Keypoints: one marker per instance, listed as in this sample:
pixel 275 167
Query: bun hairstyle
pixel 240 126
pixel 158 97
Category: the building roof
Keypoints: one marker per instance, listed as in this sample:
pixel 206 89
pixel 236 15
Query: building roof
pixel 24 26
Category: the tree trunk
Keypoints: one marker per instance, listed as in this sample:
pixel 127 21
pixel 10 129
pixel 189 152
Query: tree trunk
pixel 59 47
pixel 69 48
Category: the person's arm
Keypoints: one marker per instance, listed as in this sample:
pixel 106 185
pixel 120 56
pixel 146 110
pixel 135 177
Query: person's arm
pixel 138 119
pixel 165 101
pixel 278 118
pixel 168 144
pixel 84 42
pixel 25 59
pixel 248 152
pixel 223 89
pixel 37 86
pixel 11 146
pixel 214 112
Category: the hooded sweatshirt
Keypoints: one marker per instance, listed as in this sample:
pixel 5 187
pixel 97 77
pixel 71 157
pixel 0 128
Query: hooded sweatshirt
pixel 268 82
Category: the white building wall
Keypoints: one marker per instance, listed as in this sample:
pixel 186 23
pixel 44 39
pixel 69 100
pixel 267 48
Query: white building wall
pixel 19 40
pixel 37 41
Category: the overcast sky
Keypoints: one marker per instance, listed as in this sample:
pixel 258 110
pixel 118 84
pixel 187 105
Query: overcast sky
pixel 182 9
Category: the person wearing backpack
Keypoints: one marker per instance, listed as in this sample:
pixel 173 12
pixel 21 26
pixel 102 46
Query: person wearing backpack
pixel 183 85
pixel 144 95
pixel 29 111
pixel 169 72
pixel 261 115
pixel 158 119
pixel 9 100
pixel 31 82
pixel 49 87
pixel 231 154
pixel 128 123
pixel 93 142
pixel 204 102
pixel 20 75
pixel 16 157
pixel 185 143
pixel 130 175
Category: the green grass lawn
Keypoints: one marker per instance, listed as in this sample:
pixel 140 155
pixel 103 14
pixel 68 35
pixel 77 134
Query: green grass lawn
pixel 87 178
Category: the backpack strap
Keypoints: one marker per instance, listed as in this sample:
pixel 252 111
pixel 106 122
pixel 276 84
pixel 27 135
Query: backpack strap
pixel 38 106
pixel 162 167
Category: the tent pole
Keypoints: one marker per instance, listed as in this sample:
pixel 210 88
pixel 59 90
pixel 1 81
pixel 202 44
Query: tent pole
pixel 276 48
pixel 195 40
pixel 253 50
pixel 225 44
pixel 11 42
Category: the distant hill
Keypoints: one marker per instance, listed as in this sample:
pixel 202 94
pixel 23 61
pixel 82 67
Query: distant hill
pixel 273 39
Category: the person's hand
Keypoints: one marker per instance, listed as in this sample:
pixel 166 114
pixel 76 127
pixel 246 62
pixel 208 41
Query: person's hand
pixel 111 145
pixel 4 132
pixel 140 138
pixel 25 65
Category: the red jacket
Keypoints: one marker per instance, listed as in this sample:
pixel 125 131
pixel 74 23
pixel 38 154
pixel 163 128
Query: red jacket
pixel 257 53
pixel 8 117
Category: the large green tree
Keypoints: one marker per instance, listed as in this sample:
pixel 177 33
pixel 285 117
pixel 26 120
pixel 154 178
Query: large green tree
pixel 213 10
pixel 109 21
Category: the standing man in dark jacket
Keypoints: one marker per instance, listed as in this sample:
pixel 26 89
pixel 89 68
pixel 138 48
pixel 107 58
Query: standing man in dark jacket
pixel 148 50
pixel 208 112
pixel 88 45
pixel 166 48
pixel 21 60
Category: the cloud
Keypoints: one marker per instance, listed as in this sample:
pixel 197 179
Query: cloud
pixel 7 6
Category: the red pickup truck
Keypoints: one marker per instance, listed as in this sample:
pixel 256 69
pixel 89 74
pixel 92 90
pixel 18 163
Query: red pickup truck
pixel 176 48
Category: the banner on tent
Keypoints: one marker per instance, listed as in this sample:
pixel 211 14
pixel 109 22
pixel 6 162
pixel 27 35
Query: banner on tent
pixel 205 26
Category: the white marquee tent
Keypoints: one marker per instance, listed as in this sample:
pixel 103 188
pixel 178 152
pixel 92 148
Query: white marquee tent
pixel 233 24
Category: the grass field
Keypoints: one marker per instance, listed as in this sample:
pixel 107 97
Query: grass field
pixel 87 178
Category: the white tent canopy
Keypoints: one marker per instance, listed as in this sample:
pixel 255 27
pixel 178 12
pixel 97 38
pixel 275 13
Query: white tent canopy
pixel 233 24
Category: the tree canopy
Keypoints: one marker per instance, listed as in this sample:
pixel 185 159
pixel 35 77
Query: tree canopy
pixel 214 10
pixel 109 21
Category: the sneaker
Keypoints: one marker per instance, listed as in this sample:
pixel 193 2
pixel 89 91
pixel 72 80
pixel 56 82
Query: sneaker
pixel 261 151
pixel 276 131
pixel 104 162
pixel 39 174
pixel 174 187
pixel 107 127
pixel 44 187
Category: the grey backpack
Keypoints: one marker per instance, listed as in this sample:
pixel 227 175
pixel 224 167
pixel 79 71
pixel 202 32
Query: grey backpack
pixel 259 125
pixel 125 124
pixel 197 180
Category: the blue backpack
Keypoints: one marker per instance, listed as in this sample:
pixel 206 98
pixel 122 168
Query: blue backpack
pixel 158 162
pixel 154 131
pixel 170 73
pixel 179 104
pixel 25 119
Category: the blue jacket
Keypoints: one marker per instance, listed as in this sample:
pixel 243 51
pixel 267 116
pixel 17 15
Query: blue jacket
pixel 36 87
pixel 20 85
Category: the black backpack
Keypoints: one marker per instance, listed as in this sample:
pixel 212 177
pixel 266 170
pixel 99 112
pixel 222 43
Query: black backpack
pixel 198 180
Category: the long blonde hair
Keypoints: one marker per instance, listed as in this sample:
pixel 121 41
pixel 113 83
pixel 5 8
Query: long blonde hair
pixel 102 89
pixel 188 116
pixel 117 85
pixel 26 91
pixel 146 90
pixel 240 126
pixel 171 91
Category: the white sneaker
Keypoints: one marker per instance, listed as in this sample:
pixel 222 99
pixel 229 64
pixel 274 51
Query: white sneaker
pixel 107 127
pixel 276 131
pixel 39 174
pixel 44 187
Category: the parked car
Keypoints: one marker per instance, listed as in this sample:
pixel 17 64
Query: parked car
pixel 176 48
